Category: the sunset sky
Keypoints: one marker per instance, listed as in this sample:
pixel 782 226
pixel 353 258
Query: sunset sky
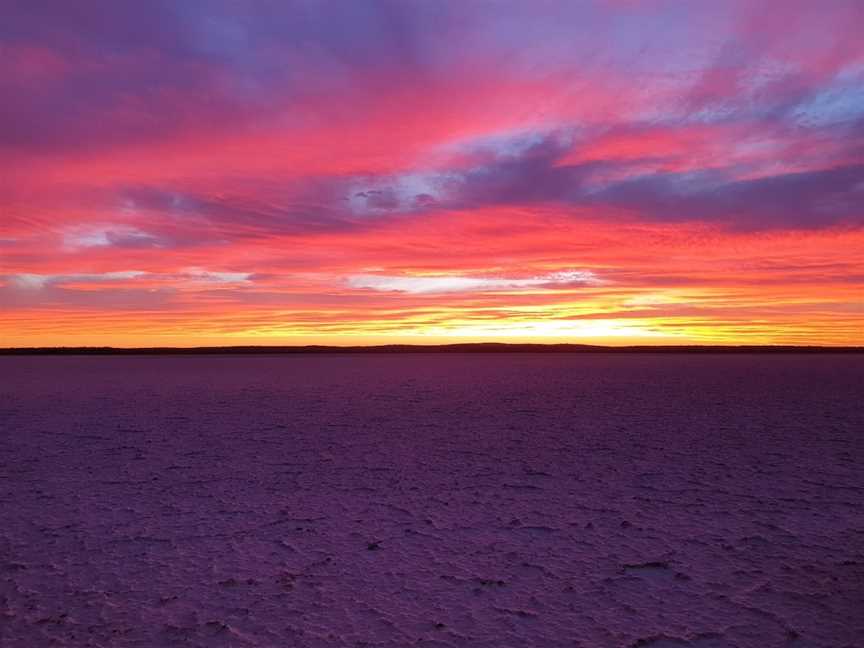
pixel 256 172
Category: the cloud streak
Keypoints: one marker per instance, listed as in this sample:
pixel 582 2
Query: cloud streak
pixel 419 285
pixel 31 281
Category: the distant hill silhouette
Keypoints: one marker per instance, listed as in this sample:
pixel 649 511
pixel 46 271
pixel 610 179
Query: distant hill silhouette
pixel 481 347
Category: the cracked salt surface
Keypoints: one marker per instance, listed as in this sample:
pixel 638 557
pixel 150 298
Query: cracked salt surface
pixel 655 501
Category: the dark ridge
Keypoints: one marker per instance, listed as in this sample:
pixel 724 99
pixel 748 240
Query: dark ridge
pixel 481 347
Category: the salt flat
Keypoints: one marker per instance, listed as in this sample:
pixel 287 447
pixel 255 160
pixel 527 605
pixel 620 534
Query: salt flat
pixel 656 501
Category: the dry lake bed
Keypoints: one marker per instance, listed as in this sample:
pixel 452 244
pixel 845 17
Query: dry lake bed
pixel 494 500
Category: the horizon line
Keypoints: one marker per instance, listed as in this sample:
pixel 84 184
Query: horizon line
pixel 456 347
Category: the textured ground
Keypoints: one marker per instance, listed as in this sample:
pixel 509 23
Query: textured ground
pixel 432 500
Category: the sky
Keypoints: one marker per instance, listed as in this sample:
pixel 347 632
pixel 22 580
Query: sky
pixel 212 172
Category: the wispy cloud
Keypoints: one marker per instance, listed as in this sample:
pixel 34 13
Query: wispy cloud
pixel 208 276
pixel 117 236
pixel 32 281
pixel 456 284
